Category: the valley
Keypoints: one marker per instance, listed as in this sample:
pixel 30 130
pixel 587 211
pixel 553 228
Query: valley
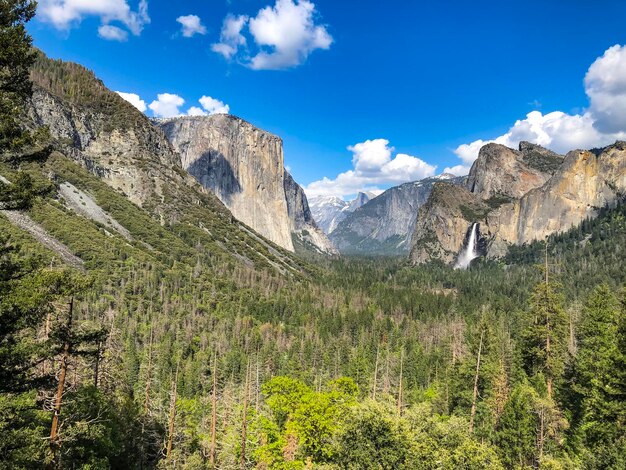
pixel 171 297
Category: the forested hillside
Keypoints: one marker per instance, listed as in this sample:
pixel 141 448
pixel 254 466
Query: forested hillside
pixel 169 335
pixel 321 367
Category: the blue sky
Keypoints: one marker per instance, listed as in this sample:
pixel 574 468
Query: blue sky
pixel 351 85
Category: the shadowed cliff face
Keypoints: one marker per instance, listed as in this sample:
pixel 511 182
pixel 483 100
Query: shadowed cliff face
pixel 213 170
pixel 244 167
pixel 303 225
pixel 518 197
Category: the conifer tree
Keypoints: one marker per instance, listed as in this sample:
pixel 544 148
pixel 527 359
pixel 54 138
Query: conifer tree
pixel 16 57
pixel 546 333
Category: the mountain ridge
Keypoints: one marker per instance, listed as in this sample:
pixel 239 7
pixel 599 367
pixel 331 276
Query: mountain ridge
pixel 518 196
pixel 244 167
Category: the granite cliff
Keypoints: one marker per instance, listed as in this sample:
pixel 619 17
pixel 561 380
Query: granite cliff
pixel 244 167
pixel 94 128
pixel 303 227
pixel 517 196
pixel 384 225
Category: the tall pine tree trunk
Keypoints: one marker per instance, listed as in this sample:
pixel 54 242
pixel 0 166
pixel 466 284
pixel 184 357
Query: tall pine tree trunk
pixel 170 437
pixel 54 431
pixel 475 394
pixel 213 414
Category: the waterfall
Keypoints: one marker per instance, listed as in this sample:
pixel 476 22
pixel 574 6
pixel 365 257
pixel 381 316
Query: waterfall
pixel 470 251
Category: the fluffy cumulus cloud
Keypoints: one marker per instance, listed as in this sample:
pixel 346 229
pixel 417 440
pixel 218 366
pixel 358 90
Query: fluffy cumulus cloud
pixel 209 106
pixel 214 106
pixel 373 166
pixel 231 38
pixel 603 122
pixel 605 84
pixel 134 99
pixel 167 105
pixel 284 34
pixel 65 14
pixel 191 25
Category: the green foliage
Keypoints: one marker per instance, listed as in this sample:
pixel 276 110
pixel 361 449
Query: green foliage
pixel 21 193
pixel 16 57
pixel 22 425
pixel 598 390
pixel 545 336
pixel 79 86
pixel 373 439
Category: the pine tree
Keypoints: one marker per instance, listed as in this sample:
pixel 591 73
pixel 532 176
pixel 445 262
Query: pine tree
pixel 16 57
pixel 598 380
pixel 546 334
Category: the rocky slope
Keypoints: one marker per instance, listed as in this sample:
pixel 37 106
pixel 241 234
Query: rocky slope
pixel 244 167
pixel 506 173
pixel 385 224
pixel 329 211
pixel 586 182
pixel 442 223
pixel 518 196
pixel 302 224
pixel 98 130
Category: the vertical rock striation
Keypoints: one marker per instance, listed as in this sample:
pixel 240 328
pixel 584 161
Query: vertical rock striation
pixel 518 196
pixel 303 225
pixel 384 225
pixel 244 167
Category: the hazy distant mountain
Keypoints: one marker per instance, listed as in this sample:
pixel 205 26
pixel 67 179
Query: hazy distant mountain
pixel 328 211
pixel 384 225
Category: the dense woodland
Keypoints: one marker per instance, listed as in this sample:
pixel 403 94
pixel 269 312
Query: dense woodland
pixel 164 352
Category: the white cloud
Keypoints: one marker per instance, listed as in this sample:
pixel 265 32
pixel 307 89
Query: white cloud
pixel 167 105
pixel 195 111
pixel 65 14
pixel 605 84
pixel 373 167
pixel 601 124
pixel 214 106
pixel 191 25
pixel 209 106
pixel 285 35
pixel 112 33
pixel 134 99
pixel 230 36
pixel 289 30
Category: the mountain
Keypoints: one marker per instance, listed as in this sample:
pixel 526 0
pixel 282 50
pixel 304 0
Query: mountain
pixel 244 167
pixel 329 211
pixel 384 225
pixel 518 196
pixel 130 180
pixel 303 227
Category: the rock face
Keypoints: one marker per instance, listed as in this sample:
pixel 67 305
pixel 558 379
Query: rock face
pixel 329 211
pixel 384 225
pixel 442 223
pixel 517 197
pixel 119 155
pixel 244 167
pixel 302 225
pixel 100 131
pixel 506 173
pixel 586 182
